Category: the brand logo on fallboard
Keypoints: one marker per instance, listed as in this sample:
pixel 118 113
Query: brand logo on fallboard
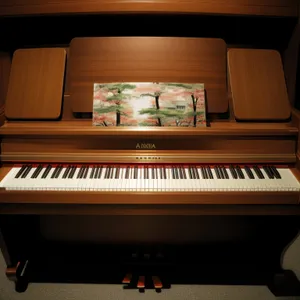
pixel 145 146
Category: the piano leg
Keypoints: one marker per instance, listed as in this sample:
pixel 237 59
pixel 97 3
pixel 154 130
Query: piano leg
pixel 285 282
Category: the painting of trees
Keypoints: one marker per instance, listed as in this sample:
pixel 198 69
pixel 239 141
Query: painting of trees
pixel 152 90
pixel 195 92
pixel 115 97
pixel 149 104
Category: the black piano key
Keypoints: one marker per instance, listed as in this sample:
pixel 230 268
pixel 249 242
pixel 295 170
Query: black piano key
pixel 79 172
pixel 58 171
pixel 96 172
pixel 147 172
pixel 240 172
pixel 35 171
pixel 72 173
pixel 127 173
pixel 93 172
pixel 66 172
pixel 55 171
pixel 26 171
pixel 275 172
pixel 165 172
pixel 135 172
pixel 221 172
pixel 83 172
pixel 217 172
pixel 173 172
pixel 39 170
pixel 233 172
pixel 190 173
pixel 117 175
pixel 209 173
pixel 269 173
pixel 176 173
pixel 184 174
pixel 249 172
pixel 48 169
pixel 113 171
pixel 180 174
pixel 20 172
pixel 106 172
pixel 225 173
pixel 258 172
pixel 203 172
pixel 196 173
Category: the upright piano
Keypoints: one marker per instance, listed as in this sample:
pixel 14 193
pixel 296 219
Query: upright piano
pixel 149 207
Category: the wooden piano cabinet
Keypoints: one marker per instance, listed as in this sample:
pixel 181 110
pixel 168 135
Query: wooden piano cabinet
pixel 154 240
pixel 178 249
pixel 235 7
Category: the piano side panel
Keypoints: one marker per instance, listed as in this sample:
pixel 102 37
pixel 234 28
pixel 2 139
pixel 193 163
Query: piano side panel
pixel 290 63
pixel 238 7
pixel 5 63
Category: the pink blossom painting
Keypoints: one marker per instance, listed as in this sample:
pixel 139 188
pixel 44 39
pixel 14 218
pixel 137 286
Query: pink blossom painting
pixel 149 104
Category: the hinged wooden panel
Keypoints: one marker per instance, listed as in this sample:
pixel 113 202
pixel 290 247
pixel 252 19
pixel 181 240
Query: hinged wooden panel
pixel 36 81
pixel 147 59
pixel 258 85
pixel 238 7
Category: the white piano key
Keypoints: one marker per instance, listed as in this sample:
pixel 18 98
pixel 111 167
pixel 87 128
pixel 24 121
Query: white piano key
pixel 156 181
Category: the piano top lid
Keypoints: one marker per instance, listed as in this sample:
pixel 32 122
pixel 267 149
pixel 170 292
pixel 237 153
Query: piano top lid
pixel 287 8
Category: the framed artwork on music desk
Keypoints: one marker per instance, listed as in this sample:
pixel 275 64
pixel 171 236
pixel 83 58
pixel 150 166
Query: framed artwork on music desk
pixel 149 104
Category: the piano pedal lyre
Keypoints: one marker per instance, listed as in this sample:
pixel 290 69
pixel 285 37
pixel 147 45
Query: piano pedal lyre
pixel 19 274
pixel 143 282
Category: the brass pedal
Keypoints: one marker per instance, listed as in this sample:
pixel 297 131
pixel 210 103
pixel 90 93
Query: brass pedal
pixel 141 284
pixel 127 278
pixel 157 283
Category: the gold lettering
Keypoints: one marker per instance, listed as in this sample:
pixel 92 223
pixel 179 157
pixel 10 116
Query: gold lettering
pixel 145 146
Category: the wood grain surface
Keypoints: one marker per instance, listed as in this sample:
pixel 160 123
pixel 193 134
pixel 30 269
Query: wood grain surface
pixel 237 7
pixel 258 85
pixel 35 88
pixel 147 59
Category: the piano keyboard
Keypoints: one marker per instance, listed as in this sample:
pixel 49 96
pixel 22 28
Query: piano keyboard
pixel 149 178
